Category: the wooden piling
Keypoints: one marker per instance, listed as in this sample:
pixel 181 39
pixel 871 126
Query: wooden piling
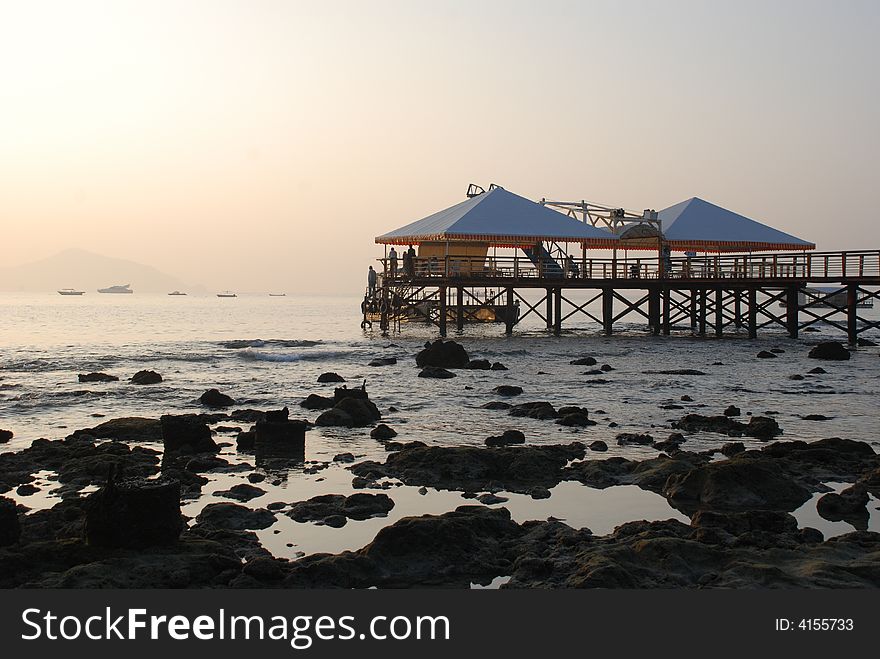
pixel 443 312
pixel 791 310
pixel 608 310
pixel 459 308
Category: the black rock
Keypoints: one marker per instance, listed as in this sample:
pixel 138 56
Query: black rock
pixel 496 405
pixel 817 371
pixel 777 351
pixel 146 377
pixel 831 350
pixel 507 438
pixel 213 398
pixel 10 528
pixel 537 410
pixel 687 399
pixel 796 376
pixel 5 436
pixel 508 390
pixel 606 367
pixel 241 492
pixel 479 365
pixel 498 366
pixel 584 361
pixel 134 513
pixel 865 343
pixel 816 417
pixel 436 372
pixel 598 445
pixel 850 503
pixel 383 361
pixel 383 432
pixel 316 402
pixel 330 377
pixel 490 499
pixel 443 354
pixel 246 440
pixel 628 438
pixel 732 448
pixel 97 377
pixel 350 411
pixel 343 457
pixel 676 371
pixel 732 410
pixel 764 354
pixel 234 517
pixel 186 432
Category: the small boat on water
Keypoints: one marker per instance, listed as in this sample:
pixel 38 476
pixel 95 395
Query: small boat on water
pixel 117 289
pixel 176 293
pixel 70 291
pixel 277 294
pixel 226 294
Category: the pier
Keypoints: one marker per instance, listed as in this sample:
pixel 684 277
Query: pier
pixel 710 296
pixel 498 257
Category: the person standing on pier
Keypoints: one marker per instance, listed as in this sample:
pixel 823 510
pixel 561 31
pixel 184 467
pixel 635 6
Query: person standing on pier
pixel 410 262
pixel 371 281
pixel 392 260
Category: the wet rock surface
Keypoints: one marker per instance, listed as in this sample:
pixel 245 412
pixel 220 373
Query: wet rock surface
pixel 336 509
pixel 516 469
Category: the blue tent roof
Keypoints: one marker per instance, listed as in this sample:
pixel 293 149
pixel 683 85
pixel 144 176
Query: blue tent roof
pixel 498 217
pixel 700 225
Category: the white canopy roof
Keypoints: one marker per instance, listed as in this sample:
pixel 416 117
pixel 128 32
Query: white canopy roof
pixel 498 217
pixel 699 225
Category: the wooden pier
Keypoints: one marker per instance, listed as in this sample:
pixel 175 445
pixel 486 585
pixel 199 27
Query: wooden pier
pixel 713 295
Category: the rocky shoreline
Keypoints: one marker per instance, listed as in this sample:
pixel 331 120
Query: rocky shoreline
pixel 118 519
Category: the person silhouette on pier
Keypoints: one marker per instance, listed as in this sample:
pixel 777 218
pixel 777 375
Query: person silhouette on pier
pixel 371 281
pixel 392 262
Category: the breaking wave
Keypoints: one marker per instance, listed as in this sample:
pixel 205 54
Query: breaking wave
pixel 237 344
pixel 310 355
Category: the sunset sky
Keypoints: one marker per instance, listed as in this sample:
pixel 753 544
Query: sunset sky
pixel 263 144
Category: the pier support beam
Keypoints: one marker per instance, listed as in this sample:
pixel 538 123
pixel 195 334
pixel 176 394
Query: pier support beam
pixel 608 310
pixel 667 311
pixel 459 308
pixel 719 312
pixel 704 298
pixel 654 310
pixel 557 315
pixel 508 319
pixel 737 309
pixel 442 293
pixel 549 314
pixel 791 311
pixel 852 313
pixel 693 300
pixel 383 310
pixel 753 313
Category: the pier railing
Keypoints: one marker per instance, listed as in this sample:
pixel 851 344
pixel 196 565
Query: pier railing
pixel 806 266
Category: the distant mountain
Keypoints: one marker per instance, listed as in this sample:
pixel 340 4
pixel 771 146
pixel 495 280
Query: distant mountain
pixel 86 271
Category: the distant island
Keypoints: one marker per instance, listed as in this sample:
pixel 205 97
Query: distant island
pixel 87 271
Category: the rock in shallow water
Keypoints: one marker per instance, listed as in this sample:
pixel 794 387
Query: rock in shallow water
pixel 436 372
pixel 232 516
pixel 443 354
pixel 831 350
pixel 507 438
pixel 97 377
pixel 146 377
pixel 214 398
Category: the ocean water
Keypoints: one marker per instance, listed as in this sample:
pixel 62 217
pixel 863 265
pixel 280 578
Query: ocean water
pixel 267 352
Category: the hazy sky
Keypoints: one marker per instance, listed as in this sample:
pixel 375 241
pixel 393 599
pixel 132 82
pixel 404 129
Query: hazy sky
pixel 241 143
